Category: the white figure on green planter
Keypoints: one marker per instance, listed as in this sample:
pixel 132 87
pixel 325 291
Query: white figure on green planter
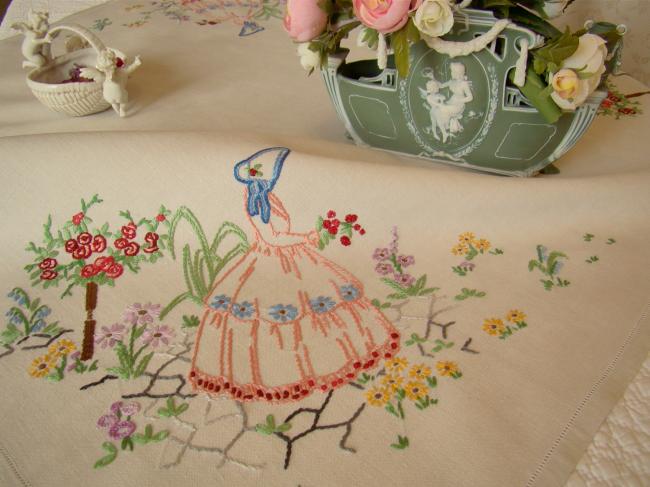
pixel 114 73
pixel 35 47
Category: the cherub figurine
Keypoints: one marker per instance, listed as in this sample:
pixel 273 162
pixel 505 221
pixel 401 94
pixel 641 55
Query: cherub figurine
pixel 112 70
pixel 36 46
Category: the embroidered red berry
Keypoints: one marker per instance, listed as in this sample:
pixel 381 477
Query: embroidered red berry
pixel 132 249
pixel 77 219
pixel 351 218
pixel 362 231
pixel 89 271
pixel 115 271
pixel 47 264
pixel 345 240
pixel 613 97
pixel 84 238
pixel 121 243
pixel 151 237
pixel 128 231
pixel 357 227
pixel 48 275
pixel 71 245
pixel 327 224
pixel 119 62
pixel 335 223
pixel 252 172
pixel 331 214
pixel 606 104
pixel 332 230
pixel 160 218
pixel 98 244
pixel 82 252
pixel 104 263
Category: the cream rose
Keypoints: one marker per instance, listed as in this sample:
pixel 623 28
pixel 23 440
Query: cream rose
pixel 434 18
pixel 554 8
pixel 580 73
pixel 308 59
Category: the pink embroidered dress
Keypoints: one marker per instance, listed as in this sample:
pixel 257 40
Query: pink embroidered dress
pixel 284 321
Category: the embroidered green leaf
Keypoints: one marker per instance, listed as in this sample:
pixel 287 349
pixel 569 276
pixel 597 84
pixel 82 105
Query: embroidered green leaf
pixel 394 285
pixel 122 355
pixel 496 252
pixel 108 459
pixel 270 427
pixel 9 335
pixel 172 410
pixel 432 381
pixel 588 237
pixel 610 241
pixel 391 409
pixel 592 259
pixel 415 338
pixel 402 443
pixel 469 293
pixel 161 435
pixel 142 366
pixel 462 272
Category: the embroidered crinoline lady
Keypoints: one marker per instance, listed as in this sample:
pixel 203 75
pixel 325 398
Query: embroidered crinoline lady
pixel 284 320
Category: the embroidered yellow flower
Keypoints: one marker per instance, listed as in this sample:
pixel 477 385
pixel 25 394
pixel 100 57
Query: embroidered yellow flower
pixel 515 316
pixel 482 244
pixel 420 371
pixel 493 326
pixel 41 366
pixel 460 249
pixel 61 348
pixel 396 364
pixel 377 396
pixel 392 382
pixel 415 390
pixel 447 369
pixel 466 238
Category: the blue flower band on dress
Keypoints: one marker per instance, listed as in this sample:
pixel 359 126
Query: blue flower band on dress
pixel 258 188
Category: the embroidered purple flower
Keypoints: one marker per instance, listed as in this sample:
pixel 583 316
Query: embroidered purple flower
pixel 384 268
pixel 406 260
pixel 158 335
pixel 107 421
pixel 141 314
pixel 120 408
pixel 381 254
pixel 467 266
pixel 283 313
pixel 220 302
pixel 322 304
pixel 108 337
pixel 405 280
pixel 72 361
pixel 121 429
pixel 243 310
pixel 392 248
pixel 349 292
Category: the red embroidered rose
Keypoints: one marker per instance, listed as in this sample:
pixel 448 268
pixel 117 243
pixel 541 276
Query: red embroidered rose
pixel 606 104
pixel 78 218
pixel 47 264
pixel 627 111
pixel 82 252
pixel 104 263
pixel 345 240
pixel 98 244
pixel 151 237
pixel 84 238
pixel 115 271
pixel 128 231
pixel 160 218
pixel 331 214
pixel 48 275
pixel 121 243
pixel 132 249
pixel 71 245
pixel 152 249
pixel 351 218
pixel 88 271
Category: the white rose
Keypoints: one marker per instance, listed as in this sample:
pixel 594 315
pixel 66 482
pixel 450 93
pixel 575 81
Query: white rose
pixel 580 74
pixel 308 58
pixel 434 18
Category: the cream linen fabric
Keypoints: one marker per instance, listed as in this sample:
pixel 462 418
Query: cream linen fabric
pixel 525 408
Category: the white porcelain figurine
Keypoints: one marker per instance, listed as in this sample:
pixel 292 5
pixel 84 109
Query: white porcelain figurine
pixel 35 47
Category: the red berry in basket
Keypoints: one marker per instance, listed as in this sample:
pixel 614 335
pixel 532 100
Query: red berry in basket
pixel 345 240
pixel 331 214
pixel 119 62
pixel 351 218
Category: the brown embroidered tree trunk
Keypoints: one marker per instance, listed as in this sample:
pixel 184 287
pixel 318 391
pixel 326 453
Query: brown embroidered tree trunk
pixel 88 347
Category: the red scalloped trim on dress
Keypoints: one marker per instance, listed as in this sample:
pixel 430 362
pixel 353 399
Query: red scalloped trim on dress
pixel 220 385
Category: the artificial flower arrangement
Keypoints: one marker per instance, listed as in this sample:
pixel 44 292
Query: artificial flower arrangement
pixel 562 69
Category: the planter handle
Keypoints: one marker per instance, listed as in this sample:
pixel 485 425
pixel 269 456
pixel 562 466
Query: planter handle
pixel 94 41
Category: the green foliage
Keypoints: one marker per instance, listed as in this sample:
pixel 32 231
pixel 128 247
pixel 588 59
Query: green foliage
pixel 191 321
pixel 109 458
pixel 149 436
pixel 466 293
pixel 417 289
pixel 588 237
pixel 270 426
pixel 131 365
pixel 549 57
pixel 539 95
pixel 402 443
pixel 27 316
pixel 592 259
pixel 172 411
pixel 441 345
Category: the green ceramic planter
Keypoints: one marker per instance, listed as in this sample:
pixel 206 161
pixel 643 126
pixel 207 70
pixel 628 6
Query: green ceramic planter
pixel 462 111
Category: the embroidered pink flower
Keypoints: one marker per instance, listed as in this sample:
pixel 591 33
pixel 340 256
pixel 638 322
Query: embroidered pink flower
pixel 72 361
pixel 107 421
pixel 381 254
pixel 385 16
pixel 157 335
pixel 304 19
pixel 110 336
pixel 141 314
pixel 406 260
pixel 384 268
pixel 405 280
pixel 122 429
pixel 392 248
pixel 125 408
pixel 468 266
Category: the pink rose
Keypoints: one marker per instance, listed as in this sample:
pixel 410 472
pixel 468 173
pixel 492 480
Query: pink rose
pixel 304 20
pixel 385 16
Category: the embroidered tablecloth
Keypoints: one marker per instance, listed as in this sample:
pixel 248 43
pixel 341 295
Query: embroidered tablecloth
pixel 272 305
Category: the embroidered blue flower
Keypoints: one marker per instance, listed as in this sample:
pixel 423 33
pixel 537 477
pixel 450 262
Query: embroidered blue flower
pixel 220 302
pixel 349 292
pixel 322 304
pixel 39 325
pixel 243 310
pixel 43 312
pixel 283 313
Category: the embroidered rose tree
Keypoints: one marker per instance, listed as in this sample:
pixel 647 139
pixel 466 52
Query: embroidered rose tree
pixel 564 69
pixel 77 255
